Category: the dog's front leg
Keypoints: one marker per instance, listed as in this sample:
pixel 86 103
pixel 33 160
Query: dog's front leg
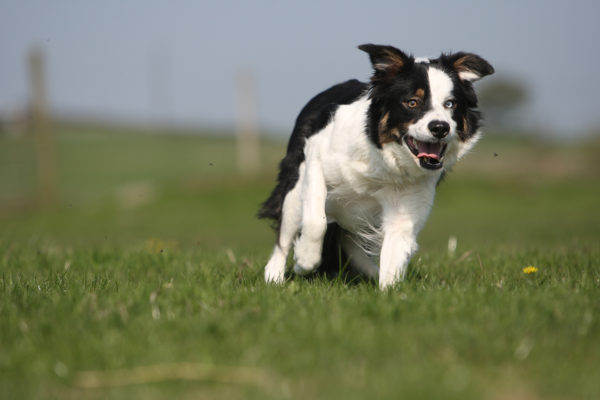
pixel 290 225
pixel 308 247
pixel 398 245
pixel 403 217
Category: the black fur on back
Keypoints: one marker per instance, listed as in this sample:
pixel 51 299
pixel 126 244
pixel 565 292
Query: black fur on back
pixel 314 116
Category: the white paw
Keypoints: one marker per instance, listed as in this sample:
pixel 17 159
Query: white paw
pixel 275 270
pixel 307 256
pixel 272 276
pixel 384 284
pixel 299 270
pixel 389 279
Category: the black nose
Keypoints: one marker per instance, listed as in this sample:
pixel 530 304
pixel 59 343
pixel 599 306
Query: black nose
pixel 439 129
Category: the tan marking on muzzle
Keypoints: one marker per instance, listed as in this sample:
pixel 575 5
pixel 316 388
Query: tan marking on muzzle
pixel 390 135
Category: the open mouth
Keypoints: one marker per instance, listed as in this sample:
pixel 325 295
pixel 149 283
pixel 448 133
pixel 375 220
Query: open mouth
pixel 430 154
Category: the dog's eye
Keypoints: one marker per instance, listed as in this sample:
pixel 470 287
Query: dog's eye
pixel 412 103
pixel 450 104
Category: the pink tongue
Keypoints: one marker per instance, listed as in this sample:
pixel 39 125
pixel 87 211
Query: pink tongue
pixel 431 150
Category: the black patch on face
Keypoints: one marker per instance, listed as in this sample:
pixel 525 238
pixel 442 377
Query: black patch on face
pixel 392 97
pixel 466 115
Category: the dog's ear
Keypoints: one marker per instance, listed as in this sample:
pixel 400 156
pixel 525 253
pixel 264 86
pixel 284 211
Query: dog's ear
pixel 387 60
pixel 469 67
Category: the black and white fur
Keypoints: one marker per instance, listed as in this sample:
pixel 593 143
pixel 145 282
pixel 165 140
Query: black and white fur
pixel 366 158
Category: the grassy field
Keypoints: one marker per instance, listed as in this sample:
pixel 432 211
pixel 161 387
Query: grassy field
pixel 144 280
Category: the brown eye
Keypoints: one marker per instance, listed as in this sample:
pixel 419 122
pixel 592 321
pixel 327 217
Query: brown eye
pixel 412 103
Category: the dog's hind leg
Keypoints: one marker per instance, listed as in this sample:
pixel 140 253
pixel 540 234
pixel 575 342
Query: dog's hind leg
pixel 307 250
pixel 359 258
pixel 288 230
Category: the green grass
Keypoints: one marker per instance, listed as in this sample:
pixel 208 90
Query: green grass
pixel 144 280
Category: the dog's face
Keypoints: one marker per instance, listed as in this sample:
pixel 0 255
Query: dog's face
pixel 423 109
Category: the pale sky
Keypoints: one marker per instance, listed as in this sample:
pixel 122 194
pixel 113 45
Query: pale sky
pixel 176 61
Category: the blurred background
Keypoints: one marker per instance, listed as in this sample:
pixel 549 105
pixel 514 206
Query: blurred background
pixel 163 122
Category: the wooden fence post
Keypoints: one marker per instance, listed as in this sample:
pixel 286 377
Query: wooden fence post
pixel 248 146
pixel 42 132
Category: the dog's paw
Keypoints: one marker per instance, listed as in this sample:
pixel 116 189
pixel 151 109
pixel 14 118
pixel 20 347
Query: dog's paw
pixel 307 256
pixel 299 270
pixel 272 276
pixel 275 271
pixel 388 280
pixel 386 283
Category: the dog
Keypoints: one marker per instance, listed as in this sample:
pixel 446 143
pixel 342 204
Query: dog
pixel 364 160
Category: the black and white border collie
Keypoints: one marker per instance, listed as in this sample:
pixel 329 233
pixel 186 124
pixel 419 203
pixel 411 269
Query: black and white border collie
pixel 364 160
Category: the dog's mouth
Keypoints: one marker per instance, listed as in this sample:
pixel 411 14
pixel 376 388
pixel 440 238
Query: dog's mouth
pixel 430 154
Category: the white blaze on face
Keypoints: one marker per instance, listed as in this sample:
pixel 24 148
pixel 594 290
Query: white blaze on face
pixel 440 86
pixel 440 89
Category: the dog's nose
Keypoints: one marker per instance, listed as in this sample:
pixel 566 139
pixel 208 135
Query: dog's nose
pixel 439 129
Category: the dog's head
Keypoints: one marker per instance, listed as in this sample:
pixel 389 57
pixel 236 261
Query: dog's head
pixel 424 109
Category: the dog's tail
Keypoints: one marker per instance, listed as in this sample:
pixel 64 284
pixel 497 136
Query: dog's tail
pixel 271 208
pixel 286 180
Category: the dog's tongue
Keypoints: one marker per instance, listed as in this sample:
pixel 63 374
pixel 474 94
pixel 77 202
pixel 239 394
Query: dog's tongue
pixel 427 149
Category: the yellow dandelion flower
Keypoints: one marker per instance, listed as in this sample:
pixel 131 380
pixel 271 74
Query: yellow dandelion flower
pixel 530 270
